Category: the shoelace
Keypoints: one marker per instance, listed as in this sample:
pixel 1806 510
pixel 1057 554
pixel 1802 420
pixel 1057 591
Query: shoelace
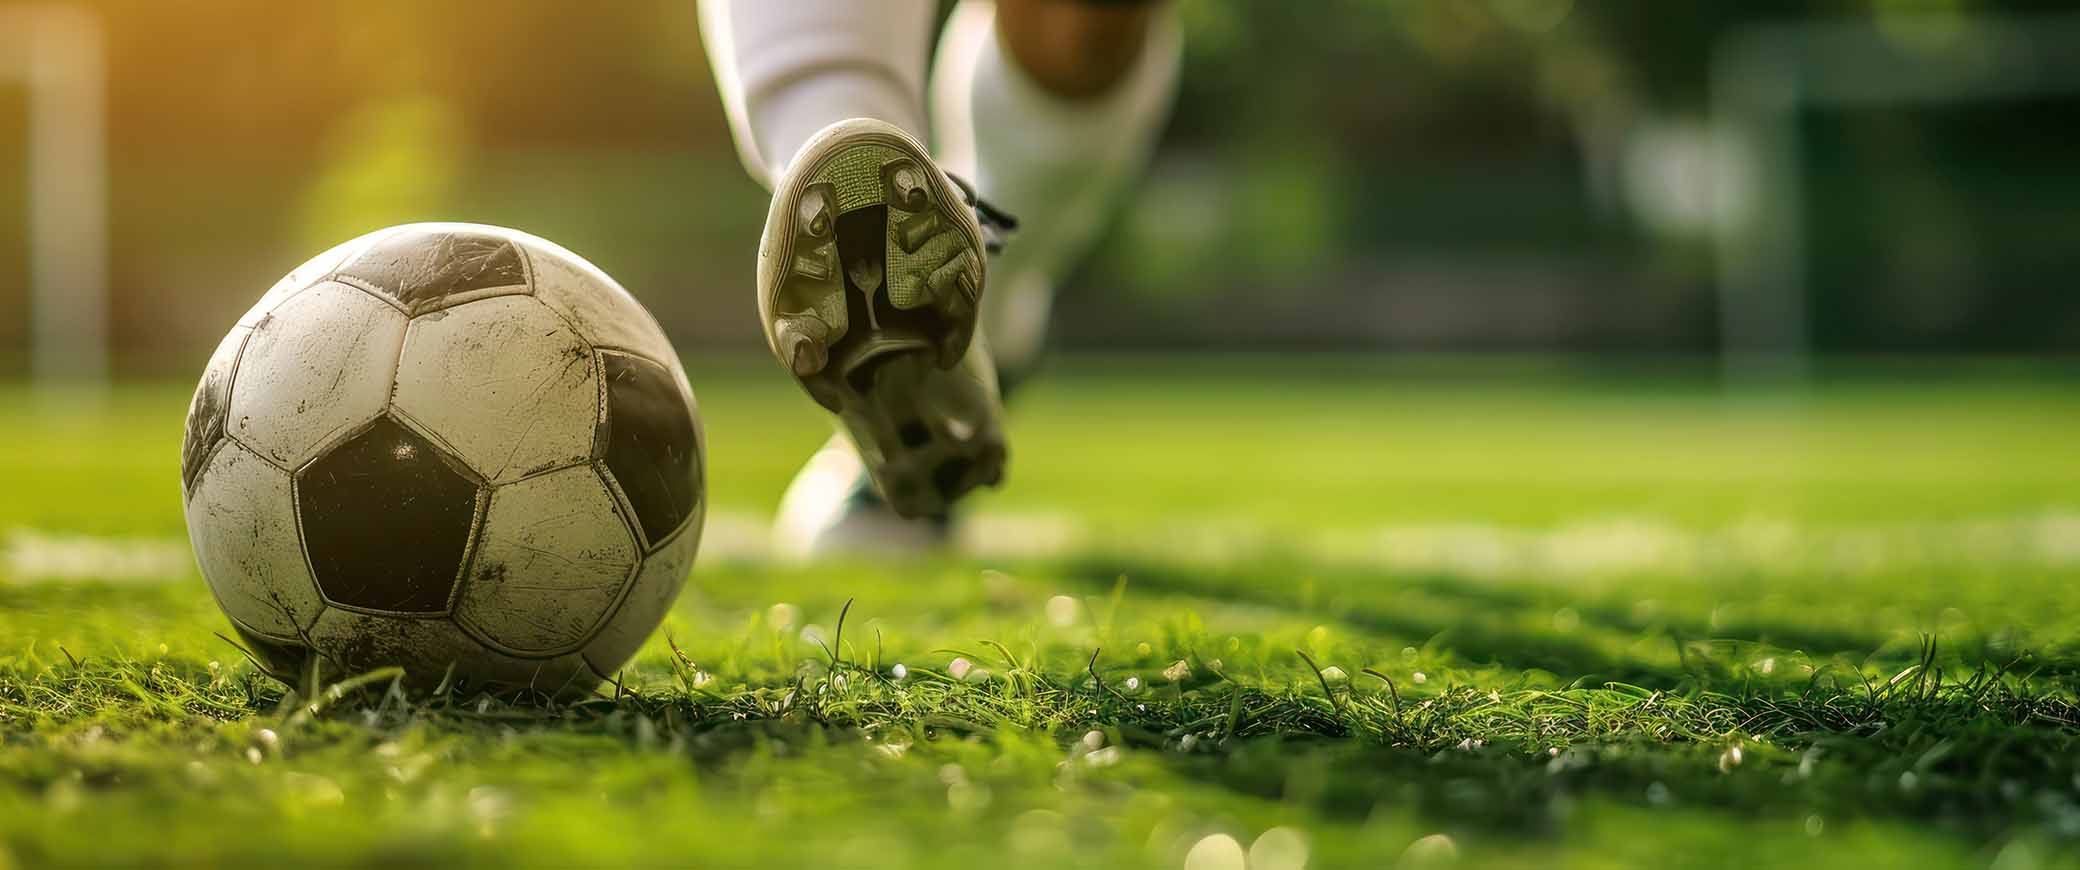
pixel 997 224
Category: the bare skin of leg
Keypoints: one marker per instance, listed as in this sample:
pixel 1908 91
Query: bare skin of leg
pixel 1075 49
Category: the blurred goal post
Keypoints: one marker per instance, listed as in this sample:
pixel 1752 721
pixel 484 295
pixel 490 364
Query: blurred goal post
pixel 1762 78
pixel 55 53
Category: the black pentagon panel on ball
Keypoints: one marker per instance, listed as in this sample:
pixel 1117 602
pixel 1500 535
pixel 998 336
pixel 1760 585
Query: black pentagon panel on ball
pixel 386 521
pixel 649 444
pixel 205 425
pixel 425 270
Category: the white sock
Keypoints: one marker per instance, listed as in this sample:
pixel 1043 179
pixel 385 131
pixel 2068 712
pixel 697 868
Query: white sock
pixel 1056 164
pixel 788 68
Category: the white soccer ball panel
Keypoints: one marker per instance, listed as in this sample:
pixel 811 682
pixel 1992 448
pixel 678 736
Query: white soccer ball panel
pixel 312 271
pixel 426 648
pixel 319 366
pixel 554 557
pixel 604 313
pixel 242 523
pixel 656 586
pixel 504 383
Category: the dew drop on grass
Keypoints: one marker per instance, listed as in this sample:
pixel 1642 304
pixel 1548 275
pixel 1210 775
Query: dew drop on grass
pixel 1278 849
pixel 898 672
pixel 1419 678
pixel 1430 851
pixel 1216 852
pixel 1061 610
pixel 959 668
pixel 1814 825
pixel 1133 684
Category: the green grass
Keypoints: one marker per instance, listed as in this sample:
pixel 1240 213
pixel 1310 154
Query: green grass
pixel 1561 617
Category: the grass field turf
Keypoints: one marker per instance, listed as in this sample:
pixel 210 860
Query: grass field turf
pixel 1561 618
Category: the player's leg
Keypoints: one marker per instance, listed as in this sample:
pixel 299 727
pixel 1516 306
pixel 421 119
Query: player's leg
pixel 787 70
pixel 1052 106
pixel 872 266
pixel 1056 103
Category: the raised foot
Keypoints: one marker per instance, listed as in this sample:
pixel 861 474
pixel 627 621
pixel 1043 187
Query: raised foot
pixel 871 278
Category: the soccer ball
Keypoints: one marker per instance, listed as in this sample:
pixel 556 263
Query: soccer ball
pixel 458 449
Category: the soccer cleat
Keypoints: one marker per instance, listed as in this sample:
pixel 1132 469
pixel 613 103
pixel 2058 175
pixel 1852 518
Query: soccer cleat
pixel 870 281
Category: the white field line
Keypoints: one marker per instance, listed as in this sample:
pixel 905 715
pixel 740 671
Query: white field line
pixel 1597 547
pixel 1602 547
pixel 31 556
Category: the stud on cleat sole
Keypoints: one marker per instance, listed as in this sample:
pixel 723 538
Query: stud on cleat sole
pixel 801 343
